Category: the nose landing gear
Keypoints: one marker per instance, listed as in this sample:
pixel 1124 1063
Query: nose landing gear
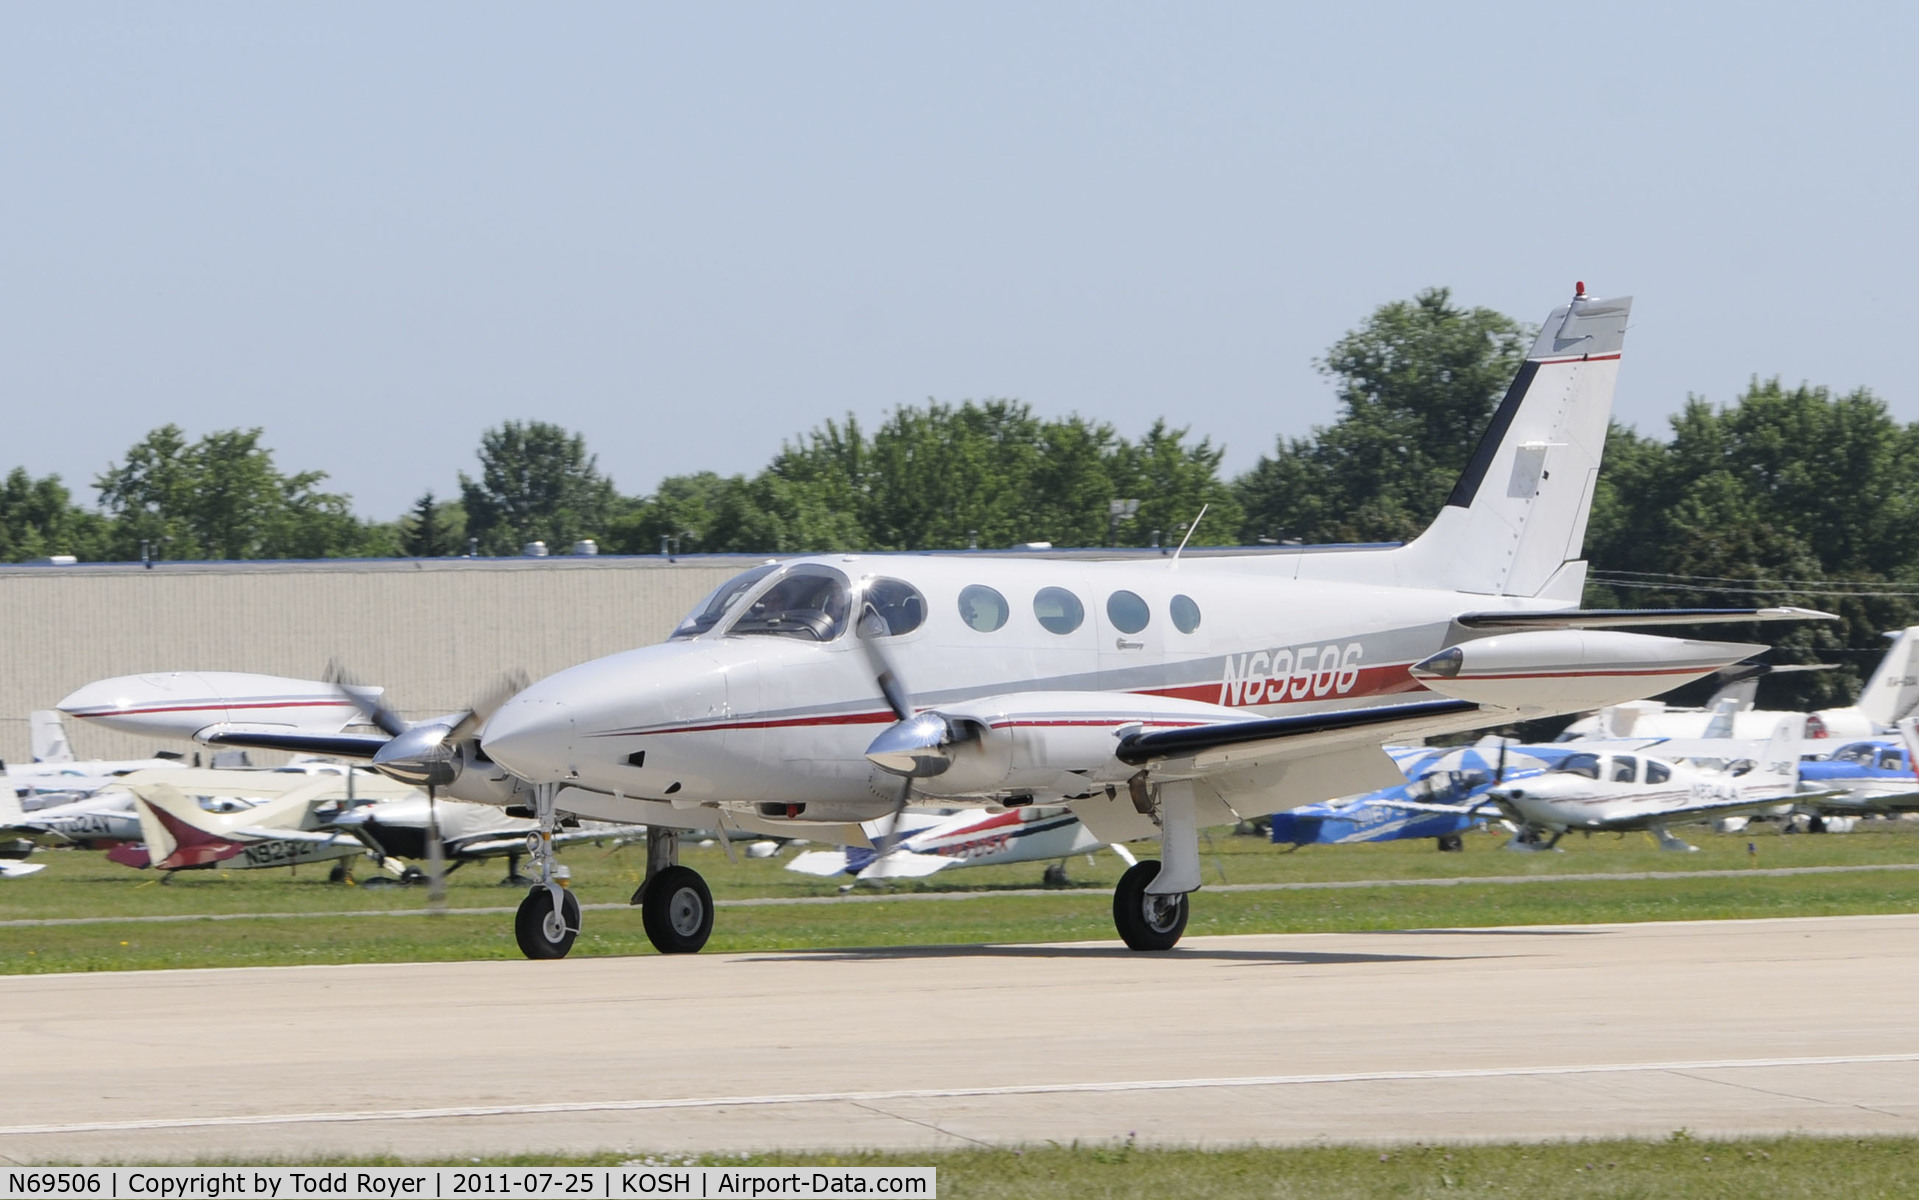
pixel 549 918
pixel 542 930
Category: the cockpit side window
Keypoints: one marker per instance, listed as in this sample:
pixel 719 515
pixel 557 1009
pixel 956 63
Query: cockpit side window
pixel 1581 764
pixel 809 602
pixel 712 610
pixel 1657 772
pixel 1892 760
pixel 1625 769
pixel 897 603
pixel 1859 752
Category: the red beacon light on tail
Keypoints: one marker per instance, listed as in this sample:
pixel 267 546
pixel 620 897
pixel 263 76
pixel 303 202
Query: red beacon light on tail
pixel 1579 290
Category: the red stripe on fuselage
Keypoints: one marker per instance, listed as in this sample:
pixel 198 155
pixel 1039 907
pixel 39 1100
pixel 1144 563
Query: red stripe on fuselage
pixel 178 708
pixel 1386 680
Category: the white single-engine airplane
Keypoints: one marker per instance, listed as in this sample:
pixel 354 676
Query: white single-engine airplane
pixel 925 844
pixel 1149 697
pixel 1619 792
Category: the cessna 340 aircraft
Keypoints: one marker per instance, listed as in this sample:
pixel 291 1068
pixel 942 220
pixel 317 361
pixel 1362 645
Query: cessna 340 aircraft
pixel 1149 697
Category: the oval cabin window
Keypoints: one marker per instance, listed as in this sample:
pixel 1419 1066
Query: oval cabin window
pixel 982 608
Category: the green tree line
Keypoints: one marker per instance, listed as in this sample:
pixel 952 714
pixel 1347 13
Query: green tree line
pixel 1784 495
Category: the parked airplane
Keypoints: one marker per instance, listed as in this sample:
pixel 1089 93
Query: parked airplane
pixel 1442 797
pixel 1890 695
pixel 1619 791
pixel 397 830
pixel 179 833
pixel 1149 697
pixel 928 843
pixel 1868 776
pixel 55 777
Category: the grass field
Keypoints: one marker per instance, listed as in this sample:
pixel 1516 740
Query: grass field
pixel 1678 1166
pixel 292 927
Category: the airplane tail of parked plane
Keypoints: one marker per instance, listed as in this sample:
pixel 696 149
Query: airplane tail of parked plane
pixel 1779 765
pixel 47 737
pixel 1516 520
pixel 1893 691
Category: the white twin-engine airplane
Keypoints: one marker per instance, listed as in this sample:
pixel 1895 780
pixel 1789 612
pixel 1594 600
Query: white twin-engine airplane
pixel 1151 698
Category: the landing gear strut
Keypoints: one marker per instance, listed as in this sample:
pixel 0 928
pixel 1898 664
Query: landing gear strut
pixel 549 917
pixel 675 906
pixel 1149 904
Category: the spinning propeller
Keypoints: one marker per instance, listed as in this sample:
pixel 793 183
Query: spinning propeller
pixel 428 754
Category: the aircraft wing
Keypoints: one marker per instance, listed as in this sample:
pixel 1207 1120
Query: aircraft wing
pixel 1481 808
pixel 496 845
pixel 820 862
pixel 904 864
pixel 1627 618
pixel 10 869
pixel 341 745
pixel 1240 744
pixel 1678 815
pixel 276 833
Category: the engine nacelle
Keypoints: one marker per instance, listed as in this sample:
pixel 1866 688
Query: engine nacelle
pixel 1566 670
pixel 1048 744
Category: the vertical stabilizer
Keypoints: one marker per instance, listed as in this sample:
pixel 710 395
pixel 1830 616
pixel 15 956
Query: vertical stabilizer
pixel 47 737
pixel 1893 691
pixel 1779 765
pixel 1517 517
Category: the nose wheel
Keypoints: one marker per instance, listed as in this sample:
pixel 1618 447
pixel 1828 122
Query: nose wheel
pixel 677 910
pixel 1146 921
pixel 542 930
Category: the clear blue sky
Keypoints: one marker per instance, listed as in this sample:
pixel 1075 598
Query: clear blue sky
pixel 692 231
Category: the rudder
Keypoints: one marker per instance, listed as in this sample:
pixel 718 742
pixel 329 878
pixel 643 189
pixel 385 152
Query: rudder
pixel 1516 519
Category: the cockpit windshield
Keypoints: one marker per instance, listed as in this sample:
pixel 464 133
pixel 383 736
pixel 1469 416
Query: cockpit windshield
pixel 1581 764
pixel 809 602
pixel 710 611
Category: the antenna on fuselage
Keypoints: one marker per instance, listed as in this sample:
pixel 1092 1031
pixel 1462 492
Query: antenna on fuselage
pixel 1189 532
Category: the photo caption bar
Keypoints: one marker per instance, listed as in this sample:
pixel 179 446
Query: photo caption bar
pixel 460 1183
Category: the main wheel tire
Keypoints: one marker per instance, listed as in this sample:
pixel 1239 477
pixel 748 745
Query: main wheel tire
pixel 541 935
pixel 1147 922
pixel 677 911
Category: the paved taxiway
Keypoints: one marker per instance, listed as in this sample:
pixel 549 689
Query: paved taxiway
pixel 1718 1027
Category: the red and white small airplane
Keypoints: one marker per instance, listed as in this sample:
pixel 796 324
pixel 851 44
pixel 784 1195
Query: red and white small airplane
pixel 1149 697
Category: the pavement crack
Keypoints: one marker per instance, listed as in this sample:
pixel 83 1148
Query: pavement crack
pixel 880 1112
pixel 1764 1091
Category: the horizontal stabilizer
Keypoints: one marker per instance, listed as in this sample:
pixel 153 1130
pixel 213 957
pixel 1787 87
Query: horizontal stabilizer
pixel 1626 618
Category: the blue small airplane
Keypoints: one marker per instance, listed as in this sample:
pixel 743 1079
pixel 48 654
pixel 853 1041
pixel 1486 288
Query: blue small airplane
pixel 1441 798
pixel 1873 775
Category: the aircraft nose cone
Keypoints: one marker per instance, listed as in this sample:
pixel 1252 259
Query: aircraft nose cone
pixel 103 697
pixel 531 736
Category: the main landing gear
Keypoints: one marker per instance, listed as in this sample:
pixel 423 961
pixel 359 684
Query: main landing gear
pixel 675 906
pixel 1149 904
